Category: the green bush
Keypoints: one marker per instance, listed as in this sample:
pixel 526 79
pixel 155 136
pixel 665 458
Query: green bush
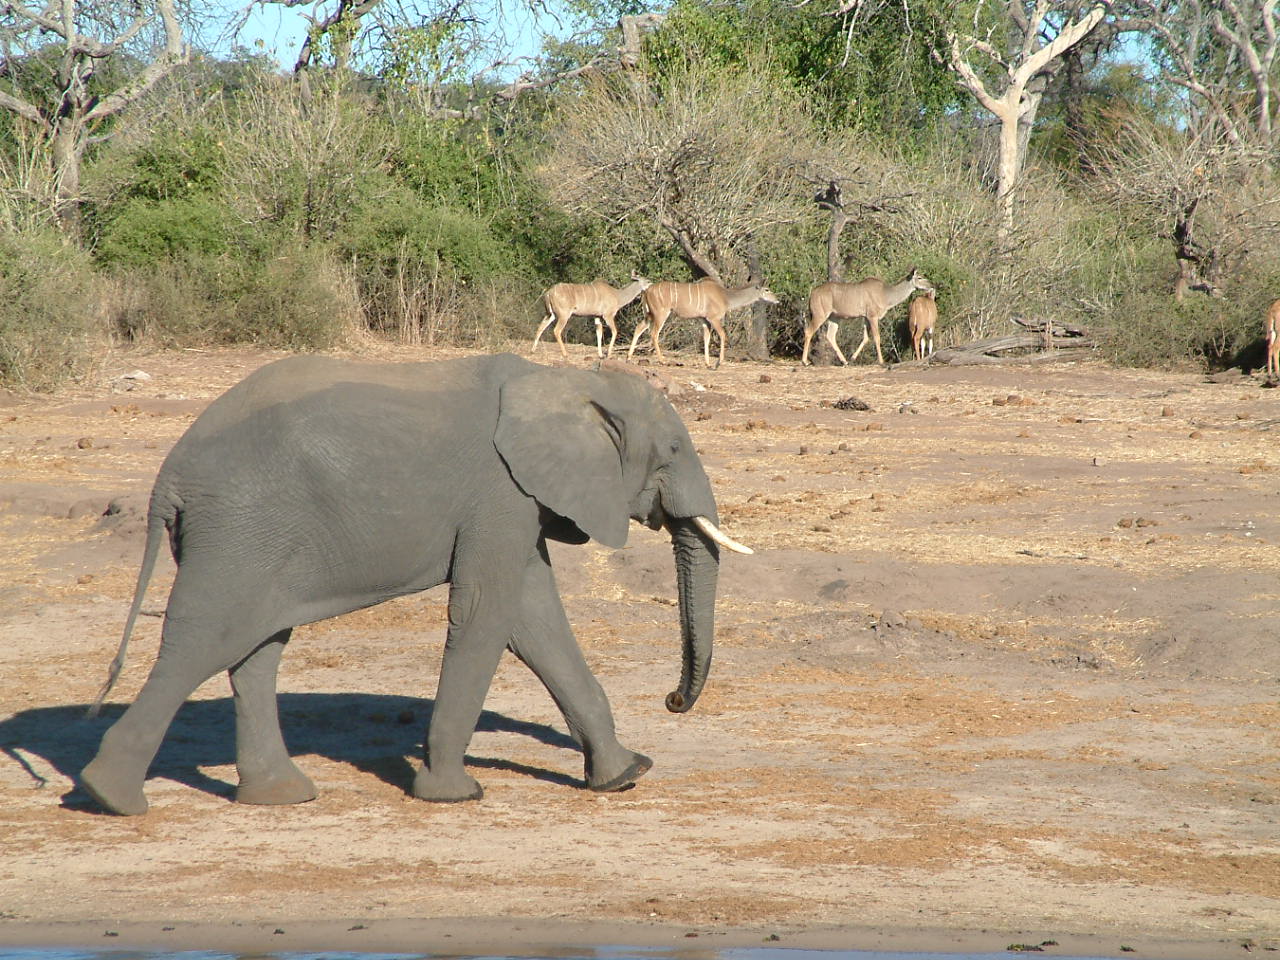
pixel 295 300
pixel 173 303
pixel 49 321
pixel 386 230
pixel 300 300
pixel 1145 326
pixel 147 231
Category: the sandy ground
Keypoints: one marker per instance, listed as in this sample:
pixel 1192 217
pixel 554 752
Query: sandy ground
pixel 1003 670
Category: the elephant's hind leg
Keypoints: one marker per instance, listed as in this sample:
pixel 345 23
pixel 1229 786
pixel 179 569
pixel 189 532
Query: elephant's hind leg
pixel 267 774
pixel 115 776
pixel 202 635
pixel 544 641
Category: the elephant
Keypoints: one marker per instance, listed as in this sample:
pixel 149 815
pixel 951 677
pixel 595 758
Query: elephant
pixel 318 486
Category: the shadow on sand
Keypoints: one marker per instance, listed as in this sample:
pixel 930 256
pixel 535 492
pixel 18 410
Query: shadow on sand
pixel 378 734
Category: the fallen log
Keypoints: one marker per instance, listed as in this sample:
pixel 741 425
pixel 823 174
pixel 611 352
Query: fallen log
pixel 986 350
pixel 1059 329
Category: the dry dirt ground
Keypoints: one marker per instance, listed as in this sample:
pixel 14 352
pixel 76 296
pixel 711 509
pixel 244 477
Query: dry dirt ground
pixel 1004 665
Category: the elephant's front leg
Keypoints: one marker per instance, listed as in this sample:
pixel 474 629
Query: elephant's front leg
pixel 481 617
pixel 544 641
pixel 267 774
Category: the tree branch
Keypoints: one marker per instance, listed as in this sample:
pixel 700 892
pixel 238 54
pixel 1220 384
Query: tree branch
pixel 20 107
pixel 175 53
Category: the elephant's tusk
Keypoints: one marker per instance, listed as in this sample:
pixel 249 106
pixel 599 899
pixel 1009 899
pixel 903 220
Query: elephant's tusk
pixel 712 531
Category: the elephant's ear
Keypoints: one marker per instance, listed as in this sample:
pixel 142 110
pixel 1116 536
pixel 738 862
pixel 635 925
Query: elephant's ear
pixel 564 449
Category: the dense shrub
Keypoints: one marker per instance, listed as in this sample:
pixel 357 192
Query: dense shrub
pixel 299 300
pixel 301 163
pixel 439 237
pixel 295 299
pixel 1147 327
pixel 170 303
pixel 240 208
pixel 146 231
pixel 50 327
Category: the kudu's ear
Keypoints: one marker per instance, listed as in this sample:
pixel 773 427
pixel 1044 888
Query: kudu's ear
pixel 562 440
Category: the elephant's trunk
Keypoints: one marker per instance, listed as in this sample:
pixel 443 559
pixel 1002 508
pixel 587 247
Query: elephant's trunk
pixel 697 567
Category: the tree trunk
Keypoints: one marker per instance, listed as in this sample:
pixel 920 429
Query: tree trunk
pixel 1007 171
pixel 757 322
pixel 691 254
pixel 832 201
pixel 66 153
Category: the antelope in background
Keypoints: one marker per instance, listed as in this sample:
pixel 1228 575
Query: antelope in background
pixel 922 318
pixel 706 300
pixel 598 299
pixel 1273 341
pixel 871 298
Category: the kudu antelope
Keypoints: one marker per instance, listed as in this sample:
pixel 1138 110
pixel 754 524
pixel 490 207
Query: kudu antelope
pixel 1273 341
pixel 598 299
pixel 706 300
pixel 922 318
pixel 871 298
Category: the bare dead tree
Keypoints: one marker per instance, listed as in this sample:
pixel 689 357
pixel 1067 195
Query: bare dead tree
pixel 830 199
pixel 67 44
pixel 1016 75
pixel 859 192
pixel 1217 203
pixel 712 160
pixel 1215 51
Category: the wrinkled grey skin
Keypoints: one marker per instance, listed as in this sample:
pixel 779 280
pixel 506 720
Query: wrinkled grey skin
pixel 320 486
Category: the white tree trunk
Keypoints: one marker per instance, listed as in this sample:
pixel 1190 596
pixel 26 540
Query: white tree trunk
pixel 1016 106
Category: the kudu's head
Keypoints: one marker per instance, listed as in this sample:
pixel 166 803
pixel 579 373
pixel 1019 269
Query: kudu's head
pixel 920 282
pixel 756 285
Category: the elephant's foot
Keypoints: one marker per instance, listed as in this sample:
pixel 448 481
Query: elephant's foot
pixel 440 788
pixel 634 766
pixel 287 786
pixel 114 792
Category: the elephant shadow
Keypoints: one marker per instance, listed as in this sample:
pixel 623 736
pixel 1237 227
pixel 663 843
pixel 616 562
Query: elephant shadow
pixel 377 734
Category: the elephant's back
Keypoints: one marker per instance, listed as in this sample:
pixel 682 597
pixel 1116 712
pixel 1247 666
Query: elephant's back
pixel 337 417
pixel 293 379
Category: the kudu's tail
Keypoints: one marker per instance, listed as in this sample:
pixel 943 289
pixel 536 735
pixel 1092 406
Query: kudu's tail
pixel 157 523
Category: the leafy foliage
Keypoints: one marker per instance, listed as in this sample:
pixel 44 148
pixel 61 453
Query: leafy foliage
pixel 879 75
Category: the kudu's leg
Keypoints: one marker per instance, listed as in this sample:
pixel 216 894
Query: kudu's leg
pixel 875 335
pixel 833 328
pixel 865 337
pixel 641 327
pixel 558 330
pixel 599 337
pixel 541 329
pixel 718 325
pixel 655 330
pixel 811 327
pixel 613 331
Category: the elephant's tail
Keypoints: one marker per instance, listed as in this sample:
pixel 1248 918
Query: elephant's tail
pixel 158 521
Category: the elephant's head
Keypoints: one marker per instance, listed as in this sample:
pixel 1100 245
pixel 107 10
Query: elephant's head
pixel 602 449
